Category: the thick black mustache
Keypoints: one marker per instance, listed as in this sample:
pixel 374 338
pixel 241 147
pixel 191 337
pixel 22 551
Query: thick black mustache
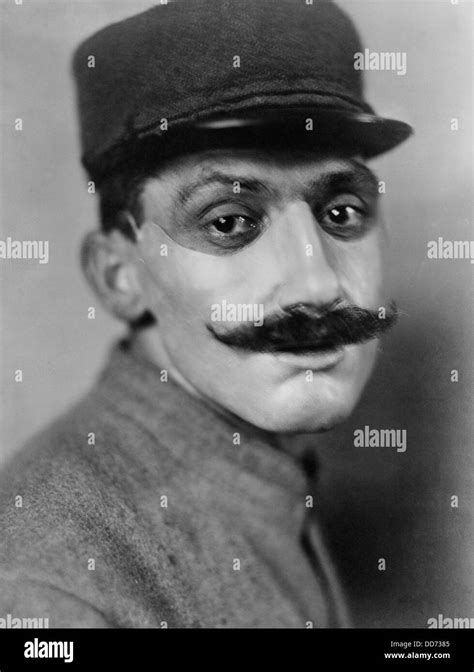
pixel 306 328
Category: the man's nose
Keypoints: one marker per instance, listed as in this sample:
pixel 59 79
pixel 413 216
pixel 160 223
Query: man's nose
pixel 301 259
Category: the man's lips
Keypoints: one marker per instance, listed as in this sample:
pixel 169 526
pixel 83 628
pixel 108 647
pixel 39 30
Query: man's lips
pixel 315 360
pixel 303 348
pixel 304 355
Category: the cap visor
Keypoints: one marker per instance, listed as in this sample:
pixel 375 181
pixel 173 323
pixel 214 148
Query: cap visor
pixel 367 134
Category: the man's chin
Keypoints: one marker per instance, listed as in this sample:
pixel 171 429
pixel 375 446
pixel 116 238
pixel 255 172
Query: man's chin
pixel 294 426
pixel 293 397
pixel 301 411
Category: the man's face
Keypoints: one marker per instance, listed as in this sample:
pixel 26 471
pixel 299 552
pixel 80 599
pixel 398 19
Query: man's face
pixel 249 231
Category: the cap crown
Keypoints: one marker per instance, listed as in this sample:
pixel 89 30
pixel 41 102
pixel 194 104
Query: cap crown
pixel 190 59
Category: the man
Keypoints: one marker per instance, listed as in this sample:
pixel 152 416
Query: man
pixel 241 243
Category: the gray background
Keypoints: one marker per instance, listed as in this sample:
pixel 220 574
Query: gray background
pixel 374 502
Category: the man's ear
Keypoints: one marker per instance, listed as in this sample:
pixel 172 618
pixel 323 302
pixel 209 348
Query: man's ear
pixel 109 264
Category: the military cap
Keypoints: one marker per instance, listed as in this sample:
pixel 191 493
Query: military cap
pixel 188 72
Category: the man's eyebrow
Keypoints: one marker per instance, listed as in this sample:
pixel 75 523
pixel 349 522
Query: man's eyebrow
pixel 225 179
pixel 354 178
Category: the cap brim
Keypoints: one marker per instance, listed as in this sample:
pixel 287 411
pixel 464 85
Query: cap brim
pixel 322 129
pixel 328 128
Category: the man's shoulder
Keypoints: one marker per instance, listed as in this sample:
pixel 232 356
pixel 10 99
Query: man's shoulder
pixel 80 474
pixel 74 507
pixel 83 445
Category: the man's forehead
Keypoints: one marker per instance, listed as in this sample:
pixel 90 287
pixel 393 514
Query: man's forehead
pixel 255 168
pixel 203 164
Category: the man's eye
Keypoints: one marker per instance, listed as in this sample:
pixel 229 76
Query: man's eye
pixel 232 231
pixel 232 224
pixel 345 220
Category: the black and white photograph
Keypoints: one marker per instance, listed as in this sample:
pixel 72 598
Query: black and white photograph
pixel 236 298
